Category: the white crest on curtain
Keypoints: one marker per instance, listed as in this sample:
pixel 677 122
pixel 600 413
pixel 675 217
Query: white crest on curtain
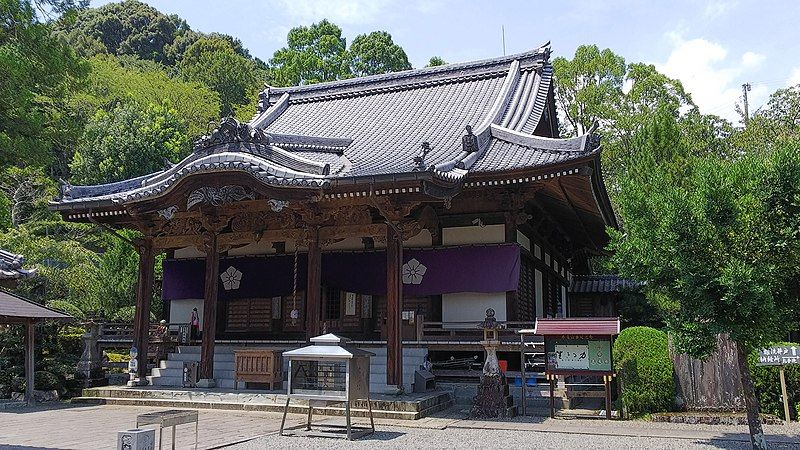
pixel 231 278
pixel 413 271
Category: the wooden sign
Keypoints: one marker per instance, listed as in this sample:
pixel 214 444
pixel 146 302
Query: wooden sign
pixel 579 354
pixel 779 355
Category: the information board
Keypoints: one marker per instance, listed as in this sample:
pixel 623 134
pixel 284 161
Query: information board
pixel 779 355
pixel 579 354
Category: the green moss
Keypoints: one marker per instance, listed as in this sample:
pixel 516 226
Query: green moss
pixel 645 372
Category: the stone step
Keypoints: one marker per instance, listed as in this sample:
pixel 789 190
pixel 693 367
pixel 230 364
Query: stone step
pixel 170 364
pixel 165 381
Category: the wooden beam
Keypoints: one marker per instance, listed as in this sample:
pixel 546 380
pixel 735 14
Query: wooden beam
pixel 211 245
pixel 144 293
pixel 30 333
pixel 394 307
pixel 313 284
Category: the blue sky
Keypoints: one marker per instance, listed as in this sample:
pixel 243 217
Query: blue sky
pixel 712 47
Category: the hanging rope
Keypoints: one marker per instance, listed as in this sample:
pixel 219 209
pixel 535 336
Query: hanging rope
pixel 295 314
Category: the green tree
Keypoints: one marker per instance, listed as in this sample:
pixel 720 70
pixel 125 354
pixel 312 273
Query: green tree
pixel 129 27
pixel 127 142
pixel 775 124
pixel 38 73
pixel 717 245
pixel 376 53
pixel 436 61
pixel 215 63
pixel 115 80
pixel 313 54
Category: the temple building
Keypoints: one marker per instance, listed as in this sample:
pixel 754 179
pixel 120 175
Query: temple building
pixel 392 209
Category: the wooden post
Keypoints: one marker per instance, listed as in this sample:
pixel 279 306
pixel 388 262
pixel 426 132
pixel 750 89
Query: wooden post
pixel 144 294
pixel 30 329
pixel 552 396
pixel 314 285
pixel 607 382
pixel 785 397
pixel 511 296
pixel 394 307
pixel 209 310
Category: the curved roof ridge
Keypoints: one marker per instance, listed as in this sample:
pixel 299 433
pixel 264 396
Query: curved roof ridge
pixel 576 144
pixel 408 79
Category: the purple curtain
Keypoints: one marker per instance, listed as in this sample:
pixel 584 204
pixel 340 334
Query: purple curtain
pixel 485 268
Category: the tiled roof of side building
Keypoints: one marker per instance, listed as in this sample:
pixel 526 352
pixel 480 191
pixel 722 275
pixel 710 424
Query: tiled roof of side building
pixel 11 266
pixel 373 127
pixel 601 284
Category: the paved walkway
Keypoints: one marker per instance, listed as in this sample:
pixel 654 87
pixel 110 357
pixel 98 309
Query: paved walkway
pixel 95 427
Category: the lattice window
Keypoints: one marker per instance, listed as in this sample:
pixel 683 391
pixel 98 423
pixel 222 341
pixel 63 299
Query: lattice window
pixel 526 291
pixel 249 314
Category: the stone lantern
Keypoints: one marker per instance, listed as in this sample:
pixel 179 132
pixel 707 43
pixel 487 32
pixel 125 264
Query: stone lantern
pixel 493 399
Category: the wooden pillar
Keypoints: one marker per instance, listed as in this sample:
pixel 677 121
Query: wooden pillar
pixel 30 328
pixel 209 310
pixel 511 296
pixel 144 294
pixel 394 307
pixel 314 284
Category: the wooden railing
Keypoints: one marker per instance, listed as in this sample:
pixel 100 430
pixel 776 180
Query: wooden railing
pixel 121 333
pixel 465 331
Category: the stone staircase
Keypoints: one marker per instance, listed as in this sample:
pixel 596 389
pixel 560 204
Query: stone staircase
pixel 169 372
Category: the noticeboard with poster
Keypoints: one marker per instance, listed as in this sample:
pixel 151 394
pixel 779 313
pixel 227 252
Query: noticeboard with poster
pixel 578 355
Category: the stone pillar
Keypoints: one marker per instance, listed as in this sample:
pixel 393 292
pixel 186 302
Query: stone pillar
pixel 394 309
pixel 209 320
pixel 313 284
pixel 144 294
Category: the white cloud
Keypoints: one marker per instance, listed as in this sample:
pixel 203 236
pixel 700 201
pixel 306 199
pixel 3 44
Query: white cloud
pixel 794 78
pixel 340 12
pixel 717 8
pixel 711 76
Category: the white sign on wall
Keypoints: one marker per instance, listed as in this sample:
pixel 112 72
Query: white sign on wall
pixel 350 304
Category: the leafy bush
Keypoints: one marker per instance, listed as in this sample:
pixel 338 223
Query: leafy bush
pixel 768 385
pixel 645 372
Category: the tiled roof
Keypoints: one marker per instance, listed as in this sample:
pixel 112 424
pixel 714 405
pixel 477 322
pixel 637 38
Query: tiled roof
pixel 13 307
pixel 599 326
pixel 373 128
pixel 599 284
pixel 11 266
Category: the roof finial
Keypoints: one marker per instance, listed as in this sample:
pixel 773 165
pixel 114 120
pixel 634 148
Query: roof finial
pixel 419 160
pixel 469 142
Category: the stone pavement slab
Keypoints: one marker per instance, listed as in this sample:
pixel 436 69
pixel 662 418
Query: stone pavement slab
pixel 64 426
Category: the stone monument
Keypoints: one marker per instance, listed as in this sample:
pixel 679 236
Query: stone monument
pixel 90 367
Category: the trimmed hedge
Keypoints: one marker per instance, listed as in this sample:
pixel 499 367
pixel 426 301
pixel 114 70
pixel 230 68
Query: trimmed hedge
pixel 768 385
pixel 644 370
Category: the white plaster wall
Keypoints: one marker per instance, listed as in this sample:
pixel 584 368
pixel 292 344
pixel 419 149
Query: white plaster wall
pixel 422 239
pixel 180 311
pixel 523 241
pixel 189 252
pixel 353 243
pixel 539 293
pixel 488 234
pixel 537 251
pixel 471 306
pixel 256 248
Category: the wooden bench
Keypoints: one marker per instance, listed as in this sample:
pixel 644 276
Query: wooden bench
pixel 256 365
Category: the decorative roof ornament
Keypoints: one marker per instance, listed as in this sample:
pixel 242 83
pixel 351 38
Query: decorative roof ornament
pixel 64 189
pixel 469 142
pixel 219 196
pixel 277 205
pixel 263 99
pixel 419 160
pixel 169 212
pixel 230 131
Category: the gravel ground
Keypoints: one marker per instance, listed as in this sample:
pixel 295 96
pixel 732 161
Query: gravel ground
pixel 495 439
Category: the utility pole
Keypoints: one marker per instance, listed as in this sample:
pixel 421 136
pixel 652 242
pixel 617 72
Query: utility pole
pixel 745 89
